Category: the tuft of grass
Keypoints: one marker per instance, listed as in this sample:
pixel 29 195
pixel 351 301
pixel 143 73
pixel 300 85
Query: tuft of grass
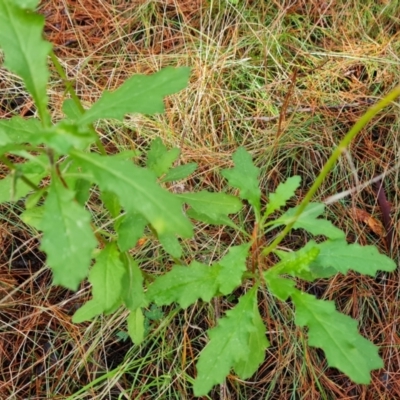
pixel 284 79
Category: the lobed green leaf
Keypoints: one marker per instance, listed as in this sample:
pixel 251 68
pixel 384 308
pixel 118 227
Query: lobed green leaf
pixel 283 193
pixel 68 239
pixel 159 158
pixel 185 285
pixel 244 176
pixel 341 256
pixel 310 222
pixel 237 342
pixel 179 172
pixel 138 192
pixel 142 94
pixel 216 206
pixel 338 336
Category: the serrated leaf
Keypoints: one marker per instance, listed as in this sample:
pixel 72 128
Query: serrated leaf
pixel 232 266
pixel 185 285
pixel 18 130
pixel 133 292
pixel 283 193
pixel 24 48
pixel 106 277
pixel 68 239
pixel 159 158
pixel 310 222
pixel 142 94
pixel 341 256
pixel 244 176
pixel 138 192
pixel 130 230
pixel 214 205
pixel 136 326
pixel 237 342
pixel 179 172
pixel 87 312
pixel 338 336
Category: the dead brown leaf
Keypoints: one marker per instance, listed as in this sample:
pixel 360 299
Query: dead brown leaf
pixel 373 224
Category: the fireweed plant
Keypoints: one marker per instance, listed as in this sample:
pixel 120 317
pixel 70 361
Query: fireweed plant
pixel 58 163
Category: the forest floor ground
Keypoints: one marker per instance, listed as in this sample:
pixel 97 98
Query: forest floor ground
pixel 284 79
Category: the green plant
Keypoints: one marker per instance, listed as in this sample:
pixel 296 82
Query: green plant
pixel 136 199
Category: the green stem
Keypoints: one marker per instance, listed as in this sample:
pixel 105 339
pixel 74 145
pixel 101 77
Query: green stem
pixel 358 126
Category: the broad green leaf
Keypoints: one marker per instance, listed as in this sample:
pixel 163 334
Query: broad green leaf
pixel 130 230
pixel 133 292
pixel 281 288
pixel 138 192
pixel 24 48
pixel 68 239
pixel 142 94
pixel 185 285
pixel 18 130
pixel 87 312
pixel 179 172
pixel 215 206
pixel 297 263
pixel 283 193
pixel 106 277
pixel 237 342
pixel 159 158
pixel 244 176
pixel 338 336
pixel 232 266
pixel 310 222
pixel 341 256
pixel 136 326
